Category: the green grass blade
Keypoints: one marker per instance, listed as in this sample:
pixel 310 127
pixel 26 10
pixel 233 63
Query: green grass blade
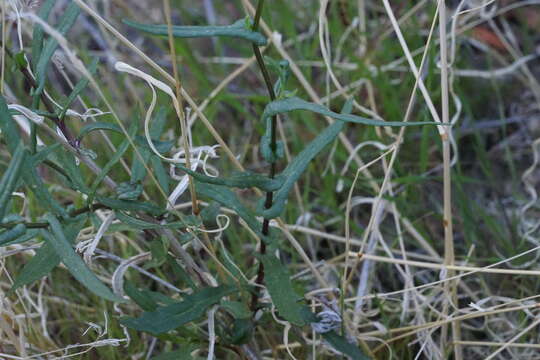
pixel 76 266
pixel 237 30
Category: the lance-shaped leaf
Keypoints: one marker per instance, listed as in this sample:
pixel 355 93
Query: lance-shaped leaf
pixel 99 126
pixel 341 344
pixel 145 207
pixel 143 225
pixel 76 266
pixel 226 197
pixel 170 317
pixel 292 104
pixel 12 234
pixel 241 180
pixel 299 164
pixel 79 87
pixel 37 36
pixel 279 286
pixel 10 178
pixel 45 258
pixel 10 133
pixel 66 22
pixel 236 30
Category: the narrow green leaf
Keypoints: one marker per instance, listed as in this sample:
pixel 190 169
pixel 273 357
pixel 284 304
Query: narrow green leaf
pixel 170 317
pixel 79 87
pixel 299 164
pixel 12 234
pixel 284 298
pixel 227 198
pixel 179 271
pixel 139 297
pixel 98 126
pixel 37 35
pixel 66 22
pixel 39 189
pixel 236 30
pixel 160 173
pixel 74 263
pixel 183 354
pixel 10 132
pixel 45 258
pixel 10 178
pixel 39 266
pixel 145 207
pixel 242 180
pixel 138 168
pixel 341 344
pixel 293 103
pixel 120 150
pixel 129 191
pixel 29 234
pixel 144 225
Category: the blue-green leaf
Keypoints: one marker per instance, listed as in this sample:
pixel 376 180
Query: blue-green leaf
pixel 129 191
pixel 12 234
pixel 227 198
pixel 99 126
pixel 45 258
pixel 37 36
pixel 145 207
pixel 299 164
pixel 66 22
pixel 40 265
pixel 236 30
pixel 341 344
pixel 170 317
pixel 76 266
pixel 160 173
pixel 10 178
pixel 79 87
pixel 10 133
pixel 279 286
pixel 242 180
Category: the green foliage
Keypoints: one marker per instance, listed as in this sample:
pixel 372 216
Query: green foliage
pixel 64 250
pixel 170 317
pixel 236 30
pixel 339 343
pixel 283 295
pixel 10 178
pixel 49 47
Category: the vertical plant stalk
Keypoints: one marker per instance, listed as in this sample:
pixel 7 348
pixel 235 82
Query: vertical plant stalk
pixel 449 286
pixel 269 195
pixel 180 111
pixel 3 60
pixel 185 142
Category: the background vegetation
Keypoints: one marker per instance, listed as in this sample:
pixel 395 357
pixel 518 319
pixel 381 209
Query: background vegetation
pixel 410 242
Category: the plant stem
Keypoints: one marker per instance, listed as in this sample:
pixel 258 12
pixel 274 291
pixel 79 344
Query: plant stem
pixel 273 145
